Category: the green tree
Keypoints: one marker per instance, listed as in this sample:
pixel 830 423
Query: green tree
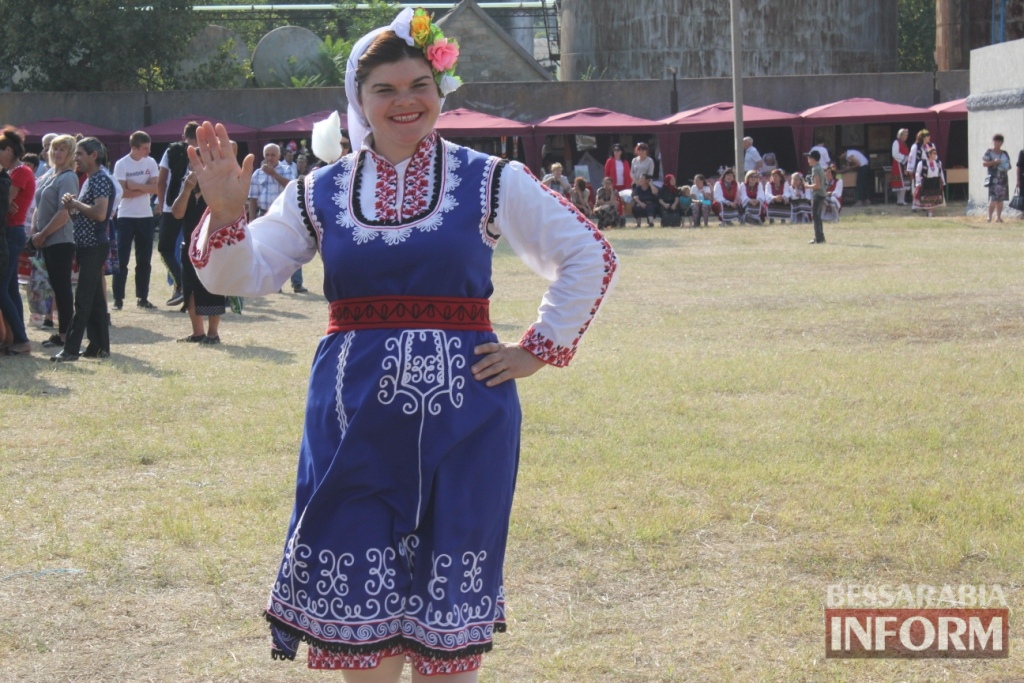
pixel 917 35
pixel 94 44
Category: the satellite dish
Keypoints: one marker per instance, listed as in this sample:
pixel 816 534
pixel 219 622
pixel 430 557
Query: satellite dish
pixel 206 45
pixel 285 52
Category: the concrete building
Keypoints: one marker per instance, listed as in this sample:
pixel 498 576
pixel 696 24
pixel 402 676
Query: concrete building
pixel 612 39
pixel 996 105
pixel 965 25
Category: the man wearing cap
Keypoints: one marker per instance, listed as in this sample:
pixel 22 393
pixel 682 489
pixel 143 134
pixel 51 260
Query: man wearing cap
pixel 817 185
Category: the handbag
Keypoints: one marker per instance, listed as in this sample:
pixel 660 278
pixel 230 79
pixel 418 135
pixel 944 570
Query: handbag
pixel 1017 203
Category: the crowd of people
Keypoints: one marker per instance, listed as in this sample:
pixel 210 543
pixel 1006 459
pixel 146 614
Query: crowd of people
pixel 83 218
pixel 76 217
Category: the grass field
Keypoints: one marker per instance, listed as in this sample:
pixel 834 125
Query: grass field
pixel 749 420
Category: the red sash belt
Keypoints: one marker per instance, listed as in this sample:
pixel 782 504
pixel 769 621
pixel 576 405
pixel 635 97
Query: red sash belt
pixel 415 312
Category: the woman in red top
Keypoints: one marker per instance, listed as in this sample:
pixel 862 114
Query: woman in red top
pixel 617 169
pixel 23 189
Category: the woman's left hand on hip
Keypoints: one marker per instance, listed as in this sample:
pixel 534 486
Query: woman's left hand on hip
pixel 503 361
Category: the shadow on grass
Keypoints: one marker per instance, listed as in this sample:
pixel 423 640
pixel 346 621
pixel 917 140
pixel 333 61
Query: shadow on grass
pixel 128 334
pixel 29 375
pixel 133 366
pixel 266 353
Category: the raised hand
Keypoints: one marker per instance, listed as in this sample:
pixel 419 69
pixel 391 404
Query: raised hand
pixel 224 184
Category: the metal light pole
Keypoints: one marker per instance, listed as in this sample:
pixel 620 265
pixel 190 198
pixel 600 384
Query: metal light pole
pixel 737 85
pixel 674 99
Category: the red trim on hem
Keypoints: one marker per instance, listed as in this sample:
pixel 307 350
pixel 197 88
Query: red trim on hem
pixel 425 665
pixel 409 312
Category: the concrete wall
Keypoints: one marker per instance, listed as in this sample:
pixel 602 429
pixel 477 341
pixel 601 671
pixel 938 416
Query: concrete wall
pixel 779 37
pixel 520 101
pixel 996 105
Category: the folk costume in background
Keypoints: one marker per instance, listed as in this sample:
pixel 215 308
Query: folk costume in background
pixel 777 201
pixel 931 184
pixel 900 179
pixel 752 201
pixel 833 200
pixel 727 193
pixel 407 464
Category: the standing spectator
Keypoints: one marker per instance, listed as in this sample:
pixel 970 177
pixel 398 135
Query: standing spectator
pixel 44 156
pixel 931 180
pixel 727 197
pixel 557 181
pixel 997 161
pixel 752 198
pixel 54 231
pixel 189 208
pixel 769 164
pixel 751 157
pixel 288 159
pixel 5 193
pixel 301 166
pixel 900 181
pixel 138 175
pixel 173 167
pixel 819 147
pixel 776 199
pixel 20 196
pixel 641 164
pixel 1020 176
pixel 703 197
pixel 618 170
pixel 265 187
pixel 668 203
pixel 856 160
pixel 579 195
pixel 818 190
pixel 90 212
pixel 645 202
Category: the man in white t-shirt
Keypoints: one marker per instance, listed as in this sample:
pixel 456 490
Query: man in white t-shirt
pixel 751 157
pixel 137 175
pixel 173 169
pixel 855 160
pixel 819 147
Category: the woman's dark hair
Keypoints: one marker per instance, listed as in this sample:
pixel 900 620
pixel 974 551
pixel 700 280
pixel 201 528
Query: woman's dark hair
pixel 386 48
pixel 999 137
pixel 31 160
pixel 581 183
pixel 642 145
pixel 10 138
pixel 94 146
pixel 700 178
pixel 921 135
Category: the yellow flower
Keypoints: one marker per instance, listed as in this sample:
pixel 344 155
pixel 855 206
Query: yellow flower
pixel 420 29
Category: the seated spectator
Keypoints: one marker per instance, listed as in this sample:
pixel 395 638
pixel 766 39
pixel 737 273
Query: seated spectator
pixel 645 202
pixel 776 199
pixel 668 204
pixel 579 195
pixel 703 197
pixel 833 195
pixel 727 198
pixel 556 181
pixel 799 196
pixel 606 205
pixel 686 204
pixel 856 161
pixel 752 199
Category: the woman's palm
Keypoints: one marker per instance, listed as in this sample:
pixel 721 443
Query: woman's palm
pixel 224 184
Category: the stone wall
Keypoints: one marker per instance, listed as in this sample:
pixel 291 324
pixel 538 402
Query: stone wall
pixel 260 108
pixel 485 57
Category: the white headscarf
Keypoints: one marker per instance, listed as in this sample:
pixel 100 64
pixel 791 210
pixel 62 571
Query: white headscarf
pixel 326 137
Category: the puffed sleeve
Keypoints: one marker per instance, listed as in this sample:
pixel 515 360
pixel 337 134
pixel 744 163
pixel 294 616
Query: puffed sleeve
pixel 558 243
pixel 254 259
pixel 896 153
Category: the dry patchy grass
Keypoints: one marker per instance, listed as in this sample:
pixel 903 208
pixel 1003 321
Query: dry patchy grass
pixel 750 420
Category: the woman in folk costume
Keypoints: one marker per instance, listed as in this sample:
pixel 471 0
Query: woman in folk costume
pixel 752 199
pixel 776 199
pixel 727 198
pixel 918 153
pixel 931 182
pixel 900 181
pixel 799 196
pixel 411 438
pixel 833 195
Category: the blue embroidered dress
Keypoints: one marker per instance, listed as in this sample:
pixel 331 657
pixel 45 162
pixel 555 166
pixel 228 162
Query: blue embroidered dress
pixel 407 464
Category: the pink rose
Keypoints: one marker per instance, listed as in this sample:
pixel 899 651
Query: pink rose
pixel 443 54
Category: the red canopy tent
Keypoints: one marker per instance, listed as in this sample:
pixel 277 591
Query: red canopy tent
pixel 114 140
pixel 859 110
pixel 720 116
pixel 598 121
pixel 301 127
pixel 947 113
pixel 465 123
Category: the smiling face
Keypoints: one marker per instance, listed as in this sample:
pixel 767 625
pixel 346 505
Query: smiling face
pixel 401 102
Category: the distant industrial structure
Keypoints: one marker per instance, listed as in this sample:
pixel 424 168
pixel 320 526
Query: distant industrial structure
pixel 965 25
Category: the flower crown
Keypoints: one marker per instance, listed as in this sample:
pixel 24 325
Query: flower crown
pixel 441 52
